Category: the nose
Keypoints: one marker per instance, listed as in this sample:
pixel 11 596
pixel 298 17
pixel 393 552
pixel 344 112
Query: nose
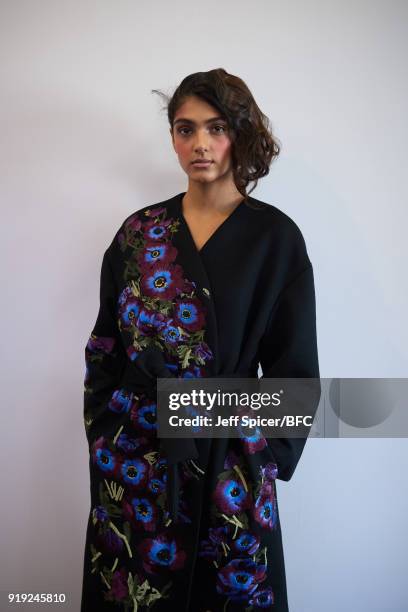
pixel 201 141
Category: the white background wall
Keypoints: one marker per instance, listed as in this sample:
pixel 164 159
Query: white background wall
pixel 84 143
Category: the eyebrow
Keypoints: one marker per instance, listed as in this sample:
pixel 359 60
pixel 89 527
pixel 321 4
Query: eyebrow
pixel 189 121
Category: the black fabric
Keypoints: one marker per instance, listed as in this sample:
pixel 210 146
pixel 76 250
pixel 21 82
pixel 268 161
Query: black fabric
pixel 170 519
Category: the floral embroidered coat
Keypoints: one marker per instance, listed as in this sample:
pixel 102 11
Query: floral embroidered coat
pixel 246 298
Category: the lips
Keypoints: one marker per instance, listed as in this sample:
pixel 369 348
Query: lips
pixel 201 164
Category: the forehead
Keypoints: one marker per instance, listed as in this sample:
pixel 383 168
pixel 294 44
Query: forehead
pixel 194 110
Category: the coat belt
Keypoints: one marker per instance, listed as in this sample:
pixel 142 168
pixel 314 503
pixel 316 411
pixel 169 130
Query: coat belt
pixel 140 376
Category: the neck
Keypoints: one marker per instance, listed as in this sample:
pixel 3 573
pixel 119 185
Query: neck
pixel 201 197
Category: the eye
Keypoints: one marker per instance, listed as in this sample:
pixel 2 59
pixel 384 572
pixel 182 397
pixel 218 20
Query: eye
pixel 223 128
pixel 219 129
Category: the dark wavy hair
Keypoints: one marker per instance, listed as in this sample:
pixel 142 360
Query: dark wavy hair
pixel 254 147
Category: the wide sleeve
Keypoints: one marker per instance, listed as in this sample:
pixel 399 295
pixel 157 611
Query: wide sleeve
pixel 105 356
pixel 288 349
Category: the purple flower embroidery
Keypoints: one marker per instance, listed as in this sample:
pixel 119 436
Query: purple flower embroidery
pixel 130 310
pixel 125 295
pixel 270 471
pixel 119 587
pixel 161 552
pixel 129 445
pixel 163 281
pixel 231 497
pixel 214 546
pixel 135 471
pixel 150 322
pixel 156 486
pixel 101 344
pixel 155 212
pixel 253 442
pixel 144 417
pixel 134 222
pixel 103 457
pixel 240 578
pixel 189 313
pixel 156 230
pixel 245 543
pixel 142 512
pixel 189 286
pixel 171 334
pixel 140 311
pixel 203 351
pixel 266 489
pixel 109 542
pixel 265 512
pixel 121 401
pixel 100 514
pixel 262 599
pixel 153 252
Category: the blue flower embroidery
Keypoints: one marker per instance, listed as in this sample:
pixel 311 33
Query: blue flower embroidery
pixel 134 471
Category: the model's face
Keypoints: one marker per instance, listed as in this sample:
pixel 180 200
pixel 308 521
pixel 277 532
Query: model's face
pixel 199 132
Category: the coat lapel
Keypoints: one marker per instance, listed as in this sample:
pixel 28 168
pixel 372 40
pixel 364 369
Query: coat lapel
pixel 188 257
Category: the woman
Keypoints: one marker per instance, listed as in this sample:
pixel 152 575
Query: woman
pixel 208 283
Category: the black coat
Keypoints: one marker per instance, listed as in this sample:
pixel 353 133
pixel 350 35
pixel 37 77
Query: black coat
pixel 171 529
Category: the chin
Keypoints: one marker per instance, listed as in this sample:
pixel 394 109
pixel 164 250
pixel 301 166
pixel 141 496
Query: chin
pixel 203 179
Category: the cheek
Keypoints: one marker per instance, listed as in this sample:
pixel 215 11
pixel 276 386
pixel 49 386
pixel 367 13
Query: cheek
pixel 222 147
pixel 183 150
